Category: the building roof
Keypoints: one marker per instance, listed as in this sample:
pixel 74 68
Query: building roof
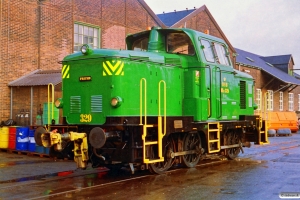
pixel 37 78
pixel 171 18
pixel 257 61
pixel 278 60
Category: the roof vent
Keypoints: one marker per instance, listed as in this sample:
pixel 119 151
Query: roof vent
pixel 250 59
pixel 269 64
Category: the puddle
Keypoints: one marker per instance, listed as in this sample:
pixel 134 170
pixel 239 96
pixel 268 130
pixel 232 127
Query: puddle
pixel 23 162
pixel 38 177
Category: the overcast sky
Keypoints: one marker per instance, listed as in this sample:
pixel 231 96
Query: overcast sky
pixel 263 27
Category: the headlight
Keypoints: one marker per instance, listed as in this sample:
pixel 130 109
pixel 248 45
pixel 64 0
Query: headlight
pixel 59 103
pixel 116 102
pixel 86 49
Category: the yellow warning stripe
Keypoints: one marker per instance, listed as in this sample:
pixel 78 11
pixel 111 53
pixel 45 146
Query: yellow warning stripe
pixel 110 68
pixel 65 71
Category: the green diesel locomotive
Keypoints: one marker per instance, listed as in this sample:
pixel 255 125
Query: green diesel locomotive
pixel 172 97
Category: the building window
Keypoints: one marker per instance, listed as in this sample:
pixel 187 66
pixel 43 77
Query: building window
pixel 270 100
pixel 84 34
pixel 291 101
pixel 258 99
pixel 280 101
pixel 299 103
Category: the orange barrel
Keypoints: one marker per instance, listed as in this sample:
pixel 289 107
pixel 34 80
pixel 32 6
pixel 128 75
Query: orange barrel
pixel 22 135
pixel 31 142
pixel 12 137
pixel 4 137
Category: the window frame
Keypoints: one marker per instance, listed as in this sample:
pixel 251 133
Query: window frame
pixel 184 49
pixel 258 99
pixel 96 36
pixel 221 54
pixel 270 100
pixel 210 49
pixel 280 101
pixel 291 101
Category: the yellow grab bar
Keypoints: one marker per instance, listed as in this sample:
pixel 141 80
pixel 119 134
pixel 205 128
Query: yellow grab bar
pixel 50 86
pixel 165 107
pixel 208 107
pixel 141 100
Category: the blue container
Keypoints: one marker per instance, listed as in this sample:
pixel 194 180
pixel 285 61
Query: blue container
pixel 31 142
pixel 47 150
pixel 22 135
pixel 39 149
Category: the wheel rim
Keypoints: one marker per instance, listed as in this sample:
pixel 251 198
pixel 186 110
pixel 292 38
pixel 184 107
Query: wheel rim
pixel 232 153
pixel 191 141
pixel 161 167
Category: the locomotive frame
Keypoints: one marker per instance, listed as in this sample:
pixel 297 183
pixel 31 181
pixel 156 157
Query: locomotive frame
pixel 211 110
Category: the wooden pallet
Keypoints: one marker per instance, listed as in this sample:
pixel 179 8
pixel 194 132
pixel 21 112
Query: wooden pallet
pixel 28 153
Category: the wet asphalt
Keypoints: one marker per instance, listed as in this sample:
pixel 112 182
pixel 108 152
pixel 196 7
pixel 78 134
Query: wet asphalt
pixel 26 168
pixel 262 172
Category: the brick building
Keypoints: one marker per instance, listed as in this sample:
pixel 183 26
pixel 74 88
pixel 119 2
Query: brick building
pixel 36 34
pixel 276 86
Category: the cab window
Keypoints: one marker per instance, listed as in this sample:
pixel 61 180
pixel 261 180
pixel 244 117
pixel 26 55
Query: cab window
pixel 140 44
pixel 180 43
pixel 208 51
pixel 222 56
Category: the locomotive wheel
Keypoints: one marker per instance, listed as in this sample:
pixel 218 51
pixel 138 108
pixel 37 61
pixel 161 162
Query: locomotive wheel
pixel 161 167
pixel 38 135
pixel 232 153
pixel 191 141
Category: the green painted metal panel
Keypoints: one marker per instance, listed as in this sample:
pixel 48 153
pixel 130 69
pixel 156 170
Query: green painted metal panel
pixel 206 90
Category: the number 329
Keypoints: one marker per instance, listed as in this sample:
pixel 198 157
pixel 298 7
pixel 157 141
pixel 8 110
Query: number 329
pixel 85 118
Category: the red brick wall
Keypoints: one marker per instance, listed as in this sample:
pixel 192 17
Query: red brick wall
pixel 18 52
pixel 37 34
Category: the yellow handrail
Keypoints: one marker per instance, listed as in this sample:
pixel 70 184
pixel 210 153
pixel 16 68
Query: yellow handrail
pixel 208 107
pixel 141 100
pixel 165 104
pixel 50 86
pixel 161 133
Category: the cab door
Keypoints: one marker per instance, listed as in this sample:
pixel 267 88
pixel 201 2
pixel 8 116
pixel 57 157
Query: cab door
pixel 218 72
